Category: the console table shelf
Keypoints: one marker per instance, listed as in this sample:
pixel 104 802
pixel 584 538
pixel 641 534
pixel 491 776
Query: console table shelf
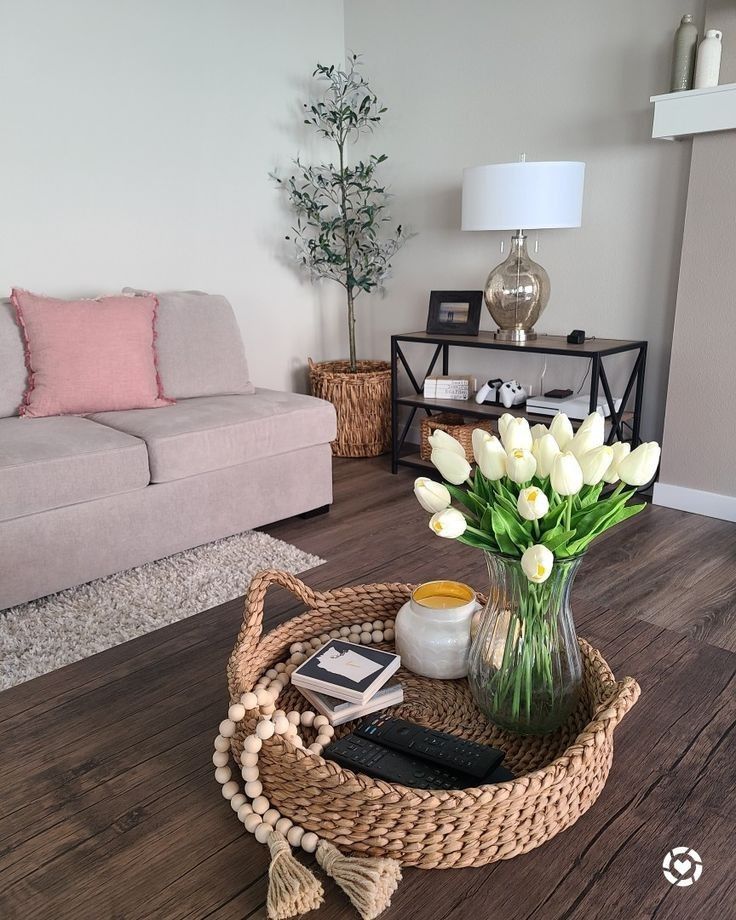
pixel 595 350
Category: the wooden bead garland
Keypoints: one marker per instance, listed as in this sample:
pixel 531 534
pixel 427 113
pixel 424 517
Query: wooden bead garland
pixel 295 890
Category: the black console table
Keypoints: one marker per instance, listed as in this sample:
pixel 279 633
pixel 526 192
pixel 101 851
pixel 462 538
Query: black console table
pixel 625 424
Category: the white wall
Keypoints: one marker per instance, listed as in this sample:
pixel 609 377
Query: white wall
pixel 137 139
pixel 698 467
pixel 474 82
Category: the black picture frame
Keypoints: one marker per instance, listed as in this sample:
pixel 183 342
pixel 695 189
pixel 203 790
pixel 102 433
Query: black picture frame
pixel 441 320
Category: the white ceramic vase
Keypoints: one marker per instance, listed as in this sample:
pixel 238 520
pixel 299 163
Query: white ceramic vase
pixel 708 62
pixel 435 642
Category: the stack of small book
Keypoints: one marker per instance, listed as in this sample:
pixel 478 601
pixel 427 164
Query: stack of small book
pixel 449 387
pixel 344 681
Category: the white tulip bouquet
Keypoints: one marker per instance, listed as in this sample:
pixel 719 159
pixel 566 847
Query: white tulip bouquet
pixel 534 502
pixel 538 493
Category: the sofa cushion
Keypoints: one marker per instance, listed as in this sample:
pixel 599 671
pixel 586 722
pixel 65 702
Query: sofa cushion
pixel 13 374
pixel 214 432
pixel 200 351
pixel 91 355
pixel 51 462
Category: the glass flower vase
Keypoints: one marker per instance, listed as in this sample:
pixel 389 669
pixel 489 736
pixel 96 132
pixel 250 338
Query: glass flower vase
pixel 525 668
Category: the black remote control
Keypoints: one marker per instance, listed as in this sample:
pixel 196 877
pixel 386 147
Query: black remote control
pixel 476 760
pixel 499 775
pixel 363 756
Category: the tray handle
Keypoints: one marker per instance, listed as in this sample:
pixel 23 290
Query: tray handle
pixel 256 599
pixel 611 711
pixel 622 696
pixel 252 626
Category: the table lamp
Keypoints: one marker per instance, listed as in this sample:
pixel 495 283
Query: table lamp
pixel 512 196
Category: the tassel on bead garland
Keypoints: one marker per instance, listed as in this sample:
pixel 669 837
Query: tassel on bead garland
pixel 292 888
pixel 369 882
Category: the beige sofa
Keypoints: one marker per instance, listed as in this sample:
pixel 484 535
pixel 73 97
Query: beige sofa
pixel 82 497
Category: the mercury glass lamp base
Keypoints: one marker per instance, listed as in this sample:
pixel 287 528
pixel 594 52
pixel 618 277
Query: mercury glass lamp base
pixel 515 335
pixel 516 293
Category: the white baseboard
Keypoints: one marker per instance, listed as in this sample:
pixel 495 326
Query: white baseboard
pixel 698 502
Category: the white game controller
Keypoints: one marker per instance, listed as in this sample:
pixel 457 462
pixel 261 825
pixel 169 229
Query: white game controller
pixel 512 393
pixel 489 390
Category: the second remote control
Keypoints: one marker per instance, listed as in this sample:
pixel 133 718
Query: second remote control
pixel 437 747
pixel 363 756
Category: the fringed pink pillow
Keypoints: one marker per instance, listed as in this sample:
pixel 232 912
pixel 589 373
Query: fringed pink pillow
pixel 89 355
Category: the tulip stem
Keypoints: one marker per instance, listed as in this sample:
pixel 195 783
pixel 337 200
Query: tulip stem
pixel 532 686
pixel 618 490
pixel 568 512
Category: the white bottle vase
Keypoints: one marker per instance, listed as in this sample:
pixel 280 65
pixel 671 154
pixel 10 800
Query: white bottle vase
pixel 708 63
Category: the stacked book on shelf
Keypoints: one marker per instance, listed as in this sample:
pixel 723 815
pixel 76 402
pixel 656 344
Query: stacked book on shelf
pixel 344 681
pixel 449 387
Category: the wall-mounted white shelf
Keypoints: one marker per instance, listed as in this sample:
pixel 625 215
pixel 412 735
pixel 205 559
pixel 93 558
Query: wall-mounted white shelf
pixel 694 111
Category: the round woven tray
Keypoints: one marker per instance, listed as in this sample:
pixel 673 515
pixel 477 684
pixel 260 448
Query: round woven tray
pixel 559 776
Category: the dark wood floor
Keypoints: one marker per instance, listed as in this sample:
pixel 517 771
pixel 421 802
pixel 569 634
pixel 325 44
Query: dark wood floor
pixel 108 806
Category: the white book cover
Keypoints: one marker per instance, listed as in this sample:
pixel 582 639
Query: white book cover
pixel 346 671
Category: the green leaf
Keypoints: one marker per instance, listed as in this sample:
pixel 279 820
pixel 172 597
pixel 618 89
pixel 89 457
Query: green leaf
pixel 505 488
pixel 507 523
pixel 590 494
pixel 480 485
pixel 625 513
pixel 487 540
pixel 586 519
pixel 506 504
pixel 467 499
pixel 615 516
pixel 505 543
pixel 552 518
pixel 556 538
pixel 486 543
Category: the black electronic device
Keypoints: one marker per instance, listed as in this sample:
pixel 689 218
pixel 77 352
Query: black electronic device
pixel 440 748
pixel 499 775
pixel 364 756
pixel 576 337
pixel 558 394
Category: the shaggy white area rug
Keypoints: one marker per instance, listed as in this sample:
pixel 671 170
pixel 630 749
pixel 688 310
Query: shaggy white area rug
pixel 53 631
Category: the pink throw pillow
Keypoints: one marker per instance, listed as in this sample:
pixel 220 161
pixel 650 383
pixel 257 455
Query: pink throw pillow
pixel 89 355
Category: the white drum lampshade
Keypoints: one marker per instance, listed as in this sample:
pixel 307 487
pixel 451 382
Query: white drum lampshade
pixel 521 196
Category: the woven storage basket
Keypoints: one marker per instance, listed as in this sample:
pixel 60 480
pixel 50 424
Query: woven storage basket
pixel 559 776
pixel 362 402
pixel 455 426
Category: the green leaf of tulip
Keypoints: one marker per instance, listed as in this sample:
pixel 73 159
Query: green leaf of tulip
pixel 506 503
pixel 556 538
pixel 590 494
pixel 514 528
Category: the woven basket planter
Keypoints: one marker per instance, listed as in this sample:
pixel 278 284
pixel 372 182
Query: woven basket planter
pixel 362 401
pixel 559 776
pixel 455 426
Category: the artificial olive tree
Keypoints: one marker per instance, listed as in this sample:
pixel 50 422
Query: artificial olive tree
pixel 341 210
